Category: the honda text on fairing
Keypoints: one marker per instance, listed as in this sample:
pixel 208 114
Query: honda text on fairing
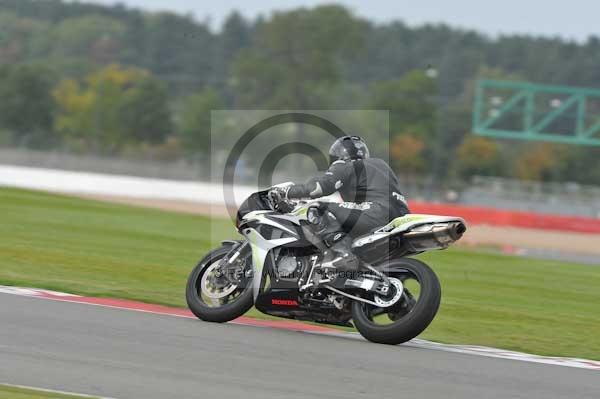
pixel 278 267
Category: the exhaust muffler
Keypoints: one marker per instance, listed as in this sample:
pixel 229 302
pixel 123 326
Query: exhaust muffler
pixel 434 236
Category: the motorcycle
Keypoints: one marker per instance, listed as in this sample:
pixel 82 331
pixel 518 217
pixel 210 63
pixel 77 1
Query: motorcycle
pixel 280 267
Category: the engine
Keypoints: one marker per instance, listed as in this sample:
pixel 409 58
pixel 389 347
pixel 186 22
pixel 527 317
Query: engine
pixel 289 263
pixel 286 266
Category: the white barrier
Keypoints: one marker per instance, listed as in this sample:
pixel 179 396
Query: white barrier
pixel 116 185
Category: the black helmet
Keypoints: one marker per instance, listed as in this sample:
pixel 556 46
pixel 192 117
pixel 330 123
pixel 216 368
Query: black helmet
pixel 348 147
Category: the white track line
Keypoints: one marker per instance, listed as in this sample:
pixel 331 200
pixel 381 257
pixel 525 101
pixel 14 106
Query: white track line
pixel 416 343
pixel 81 395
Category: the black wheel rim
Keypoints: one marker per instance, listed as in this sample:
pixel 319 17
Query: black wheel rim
pixel 381 317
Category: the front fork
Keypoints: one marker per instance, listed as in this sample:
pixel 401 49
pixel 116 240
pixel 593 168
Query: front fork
pixel 233 270
pixel 235 251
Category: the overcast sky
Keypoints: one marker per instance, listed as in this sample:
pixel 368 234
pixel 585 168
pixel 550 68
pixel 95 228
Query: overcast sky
pixel 572 19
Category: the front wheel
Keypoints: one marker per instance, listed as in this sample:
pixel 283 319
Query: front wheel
pixel 218 294
pixel 410 315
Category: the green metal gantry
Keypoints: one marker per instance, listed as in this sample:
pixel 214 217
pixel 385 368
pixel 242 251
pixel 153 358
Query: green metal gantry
pixel 527 111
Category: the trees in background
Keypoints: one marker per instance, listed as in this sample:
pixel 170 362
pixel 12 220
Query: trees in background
pixel 540 162
pixel 26 104
pixel 406 152
pixel 412 118
pixel 175 68
pixel 195 120
pixel 295 59
pixel 178 50
pixel 23 40
pixel 410 101
pixel 479 156
pixel 98 39
pixel 112 108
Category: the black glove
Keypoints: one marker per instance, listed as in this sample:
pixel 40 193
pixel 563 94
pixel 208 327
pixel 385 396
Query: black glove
pixel 279 201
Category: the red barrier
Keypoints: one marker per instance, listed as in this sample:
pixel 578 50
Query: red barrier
pixel 498 217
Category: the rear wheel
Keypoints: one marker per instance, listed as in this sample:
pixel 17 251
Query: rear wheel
pixel 409 315
pixel 214 294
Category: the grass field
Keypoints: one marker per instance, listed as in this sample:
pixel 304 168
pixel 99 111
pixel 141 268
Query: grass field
pixel 8 392
pixel 101 249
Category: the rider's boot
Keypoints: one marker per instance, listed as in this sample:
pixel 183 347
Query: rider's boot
pixel 341 257
pixel 339 254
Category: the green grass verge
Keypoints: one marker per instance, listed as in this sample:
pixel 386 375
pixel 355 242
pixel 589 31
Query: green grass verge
pixel 8 392
pixel 101 249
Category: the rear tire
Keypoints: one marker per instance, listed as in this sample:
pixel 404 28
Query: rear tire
pixel 223 313
pixel 416 321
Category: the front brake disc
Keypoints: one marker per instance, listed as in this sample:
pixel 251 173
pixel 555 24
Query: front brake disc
pixel 213 289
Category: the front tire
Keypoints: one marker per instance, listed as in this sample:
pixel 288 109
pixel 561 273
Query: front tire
pixel 410 319
pixel 221 313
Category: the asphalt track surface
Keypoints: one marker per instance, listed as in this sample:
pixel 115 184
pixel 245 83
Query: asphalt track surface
pixel 124 354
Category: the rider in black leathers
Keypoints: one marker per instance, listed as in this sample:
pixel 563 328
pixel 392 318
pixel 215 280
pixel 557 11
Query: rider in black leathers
pixel 369 189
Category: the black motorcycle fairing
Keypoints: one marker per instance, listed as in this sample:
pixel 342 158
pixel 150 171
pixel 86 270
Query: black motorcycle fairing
pixel 282 301
pixel 255 202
